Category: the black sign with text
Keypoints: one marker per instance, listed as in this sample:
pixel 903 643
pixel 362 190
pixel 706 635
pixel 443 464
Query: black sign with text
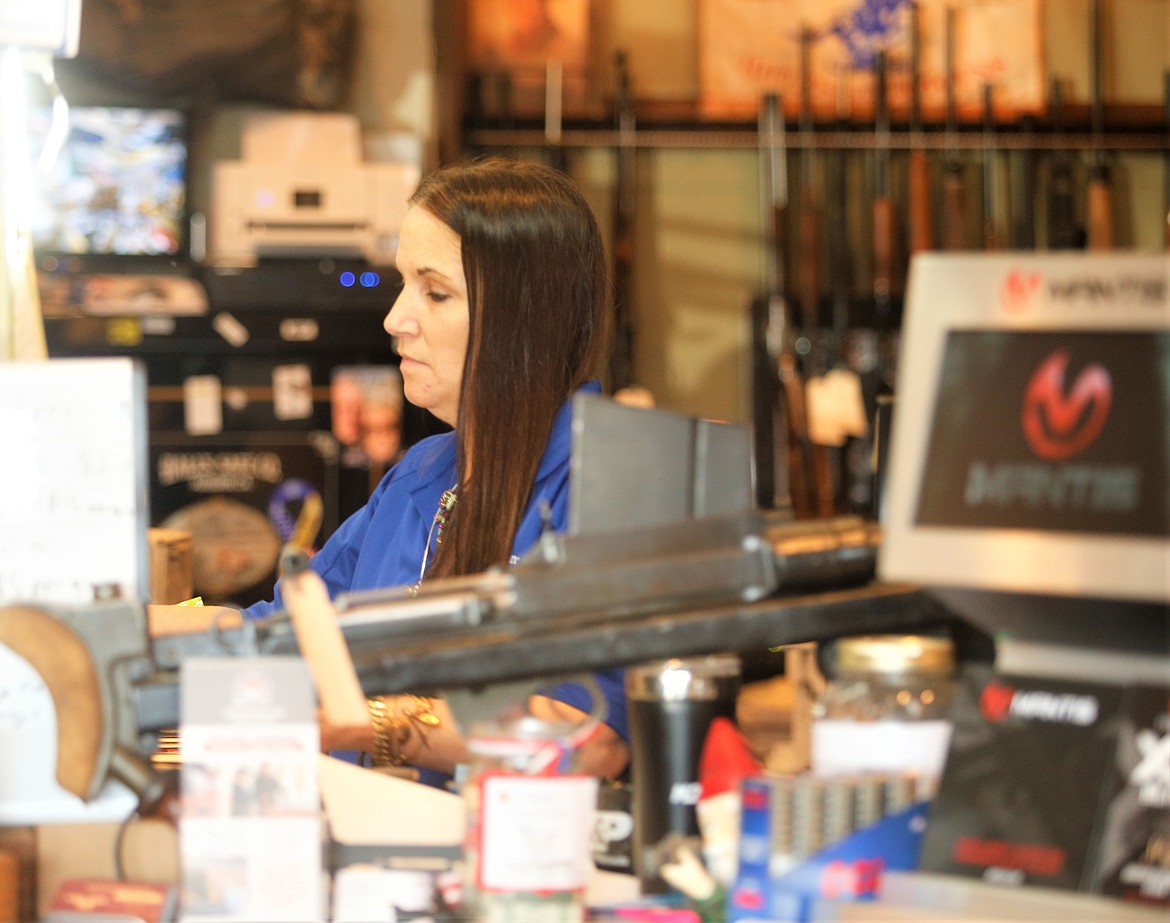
pixel 1052 430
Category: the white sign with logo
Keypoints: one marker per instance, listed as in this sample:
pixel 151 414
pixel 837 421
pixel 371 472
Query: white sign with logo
pixel 1031 434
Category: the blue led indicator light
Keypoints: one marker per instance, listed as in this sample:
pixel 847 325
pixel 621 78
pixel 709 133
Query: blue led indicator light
pixel 370 279
pixel 347 278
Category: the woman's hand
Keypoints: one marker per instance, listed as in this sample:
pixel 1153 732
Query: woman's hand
pixel 603 753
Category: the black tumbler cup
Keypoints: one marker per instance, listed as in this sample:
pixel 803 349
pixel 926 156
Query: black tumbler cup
pixel 672 704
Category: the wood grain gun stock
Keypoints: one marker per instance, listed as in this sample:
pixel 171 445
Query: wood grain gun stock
pixel 918 190
pixel 954 191
pixel 622 359
pixel 1100 193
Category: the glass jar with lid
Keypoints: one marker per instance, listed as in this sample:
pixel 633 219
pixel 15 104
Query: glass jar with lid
pixel 886 708
pixel 530 816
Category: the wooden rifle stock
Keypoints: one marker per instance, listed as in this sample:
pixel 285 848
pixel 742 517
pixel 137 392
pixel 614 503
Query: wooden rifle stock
pixel 918 195
pixel 622 359
pixel 1100 194
pixel 954 191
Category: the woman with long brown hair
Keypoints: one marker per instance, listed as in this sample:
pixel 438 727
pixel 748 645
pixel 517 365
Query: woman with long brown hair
pixel 503 316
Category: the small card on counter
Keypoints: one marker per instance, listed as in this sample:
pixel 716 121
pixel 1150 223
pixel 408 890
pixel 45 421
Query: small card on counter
pixel 250 835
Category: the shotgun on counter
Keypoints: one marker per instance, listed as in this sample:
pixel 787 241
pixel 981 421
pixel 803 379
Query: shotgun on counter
pixel 1100 192
pixel 622 359
pixel 919 210
pixel 954 190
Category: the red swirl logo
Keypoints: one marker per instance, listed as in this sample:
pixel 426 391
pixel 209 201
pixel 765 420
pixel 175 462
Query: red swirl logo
pixel 1018 289
pixel 995 701
pixel 1058 422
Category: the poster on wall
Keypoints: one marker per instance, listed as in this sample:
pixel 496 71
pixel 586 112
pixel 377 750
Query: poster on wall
pixel 748 48
pixel 518 48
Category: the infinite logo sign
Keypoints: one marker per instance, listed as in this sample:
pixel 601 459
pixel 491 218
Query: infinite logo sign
pixel 1060 422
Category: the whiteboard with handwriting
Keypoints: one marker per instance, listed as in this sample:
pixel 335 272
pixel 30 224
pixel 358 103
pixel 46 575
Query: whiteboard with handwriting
pixel 74 511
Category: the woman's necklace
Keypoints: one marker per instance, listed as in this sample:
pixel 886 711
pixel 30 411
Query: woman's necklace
pixel 446 504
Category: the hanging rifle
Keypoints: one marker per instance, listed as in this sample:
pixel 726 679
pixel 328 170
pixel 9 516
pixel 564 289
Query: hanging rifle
pixel 919 211
pixel 822 487
pixel 840 255
pixel 852 455
pixel 1063 230
pixel 809 222
pixel 622 360
pixel 1100 206
pixel 954 226
pixel 1023 188
pixel 990 233
pixel 884 231
pixel 790 408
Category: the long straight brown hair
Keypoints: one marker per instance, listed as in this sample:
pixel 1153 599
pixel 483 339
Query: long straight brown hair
pixel 540 323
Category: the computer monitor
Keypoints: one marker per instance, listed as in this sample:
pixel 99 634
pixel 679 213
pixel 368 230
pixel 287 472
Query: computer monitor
pixel 1031 436
pixel 117 189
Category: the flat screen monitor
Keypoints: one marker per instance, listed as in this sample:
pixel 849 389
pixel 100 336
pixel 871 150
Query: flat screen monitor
pixel 118 186
pixel 1031 433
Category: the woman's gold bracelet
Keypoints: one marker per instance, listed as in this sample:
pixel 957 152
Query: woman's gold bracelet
pixel 392 728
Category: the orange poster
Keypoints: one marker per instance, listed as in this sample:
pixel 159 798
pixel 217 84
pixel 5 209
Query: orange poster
pixel 522 38
pixel 751 47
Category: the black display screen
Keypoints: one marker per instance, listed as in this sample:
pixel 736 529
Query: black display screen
pixel 1051 430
